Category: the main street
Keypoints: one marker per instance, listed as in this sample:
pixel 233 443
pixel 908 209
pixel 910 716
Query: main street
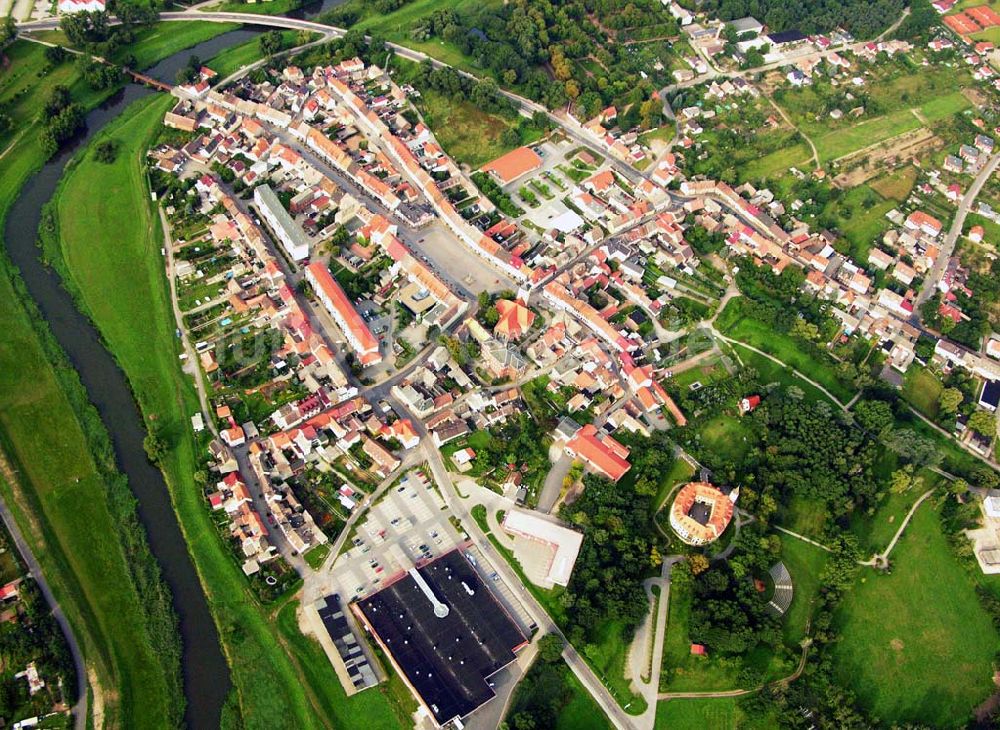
pixel 957 223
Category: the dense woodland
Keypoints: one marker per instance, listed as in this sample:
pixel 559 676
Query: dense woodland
pixel 863 18
pixel 553 52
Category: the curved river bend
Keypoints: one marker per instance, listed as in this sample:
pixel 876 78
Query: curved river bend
pixel 206 675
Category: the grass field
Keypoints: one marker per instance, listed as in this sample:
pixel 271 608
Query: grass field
pixel 895 185
pixel 727 437
pixel 233 59
pixel 805 563
pixel 876 531
pixel 841 142
pixel 582 712
pixel 118 232
pixel 860 215
pixel 470 135
pixel 771 372
pixel 709 714
pixel 921 389
pixel 794 155
pixel 396 27
pixel 779 345
pixel 917 646
pixel 61 500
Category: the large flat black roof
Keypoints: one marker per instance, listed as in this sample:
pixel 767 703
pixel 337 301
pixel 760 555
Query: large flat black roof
pixel 449 659
pixel 786 36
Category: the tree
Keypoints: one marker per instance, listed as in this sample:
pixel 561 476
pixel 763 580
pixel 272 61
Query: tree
pixel 901 480
pixel 698 564
pixel 8 30
pixel 874 416
pixel 983 422
pixel 958 487
pixel 510 137
pixel 155 446
pixel 106 151
pixel 550 648
pixel 271 43
pixel 949 400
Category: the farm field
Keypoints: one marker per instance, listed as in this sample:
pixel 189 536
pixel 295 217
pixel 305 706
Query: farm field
pixel 120 232
pixel 917 645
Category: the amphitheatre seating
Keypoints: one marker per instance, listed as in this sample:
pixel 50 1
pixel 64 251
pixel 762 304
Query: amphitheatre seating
pixel 783 590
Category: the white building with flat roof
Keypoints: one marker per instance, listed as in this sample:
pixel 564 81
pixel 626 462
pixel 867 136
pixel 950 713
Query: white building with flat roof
pixel 557 546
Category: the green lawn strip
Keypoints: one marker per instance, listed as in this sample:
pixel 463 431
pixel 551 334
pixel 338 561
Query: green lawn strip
pixel 316 555
pixel 916 645
pixel 581 712
pixel 841 142
pixel 164 39
pixel 232 59
pixel 805 563
pixel 119 232
pixel 271 7
pixel 796 154
pixel 385 707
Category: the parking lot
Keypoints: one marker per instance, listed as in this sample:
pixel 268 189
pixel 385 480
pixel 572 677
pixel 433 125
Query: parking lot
pixel 450 259
pixel 408 526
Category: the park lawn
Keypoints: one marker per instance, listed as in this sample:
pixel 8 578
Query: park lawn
pixel 895 185
pixel 805 563
pixel 876 531
pixel 316 555
pixel 581 712
pixel 777 344
pixel 697 714
pixel 916 645
pixel 726 436
pixel 772 372
pixel 232 59
pixel 921 389
pixel 679 473
pixel 805 516
pixel 689 673
pixel 100 238
pixel 607 658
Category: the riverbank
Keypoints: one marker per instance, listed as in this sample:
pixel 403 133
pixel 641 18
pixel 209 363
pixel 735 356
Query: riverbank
pixel 69 496
pixel 108 248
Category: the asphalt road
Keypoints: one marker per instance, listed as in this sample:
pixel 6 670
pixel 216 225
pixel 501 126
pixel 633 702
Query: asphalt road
pixel 79 710
pixel 948 246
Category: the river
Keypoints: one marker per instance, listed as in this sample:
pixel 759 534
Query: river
pixel 205 673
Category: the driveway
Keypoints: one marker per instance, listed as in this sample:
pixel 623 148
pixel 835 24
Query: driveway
pixel 553 482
